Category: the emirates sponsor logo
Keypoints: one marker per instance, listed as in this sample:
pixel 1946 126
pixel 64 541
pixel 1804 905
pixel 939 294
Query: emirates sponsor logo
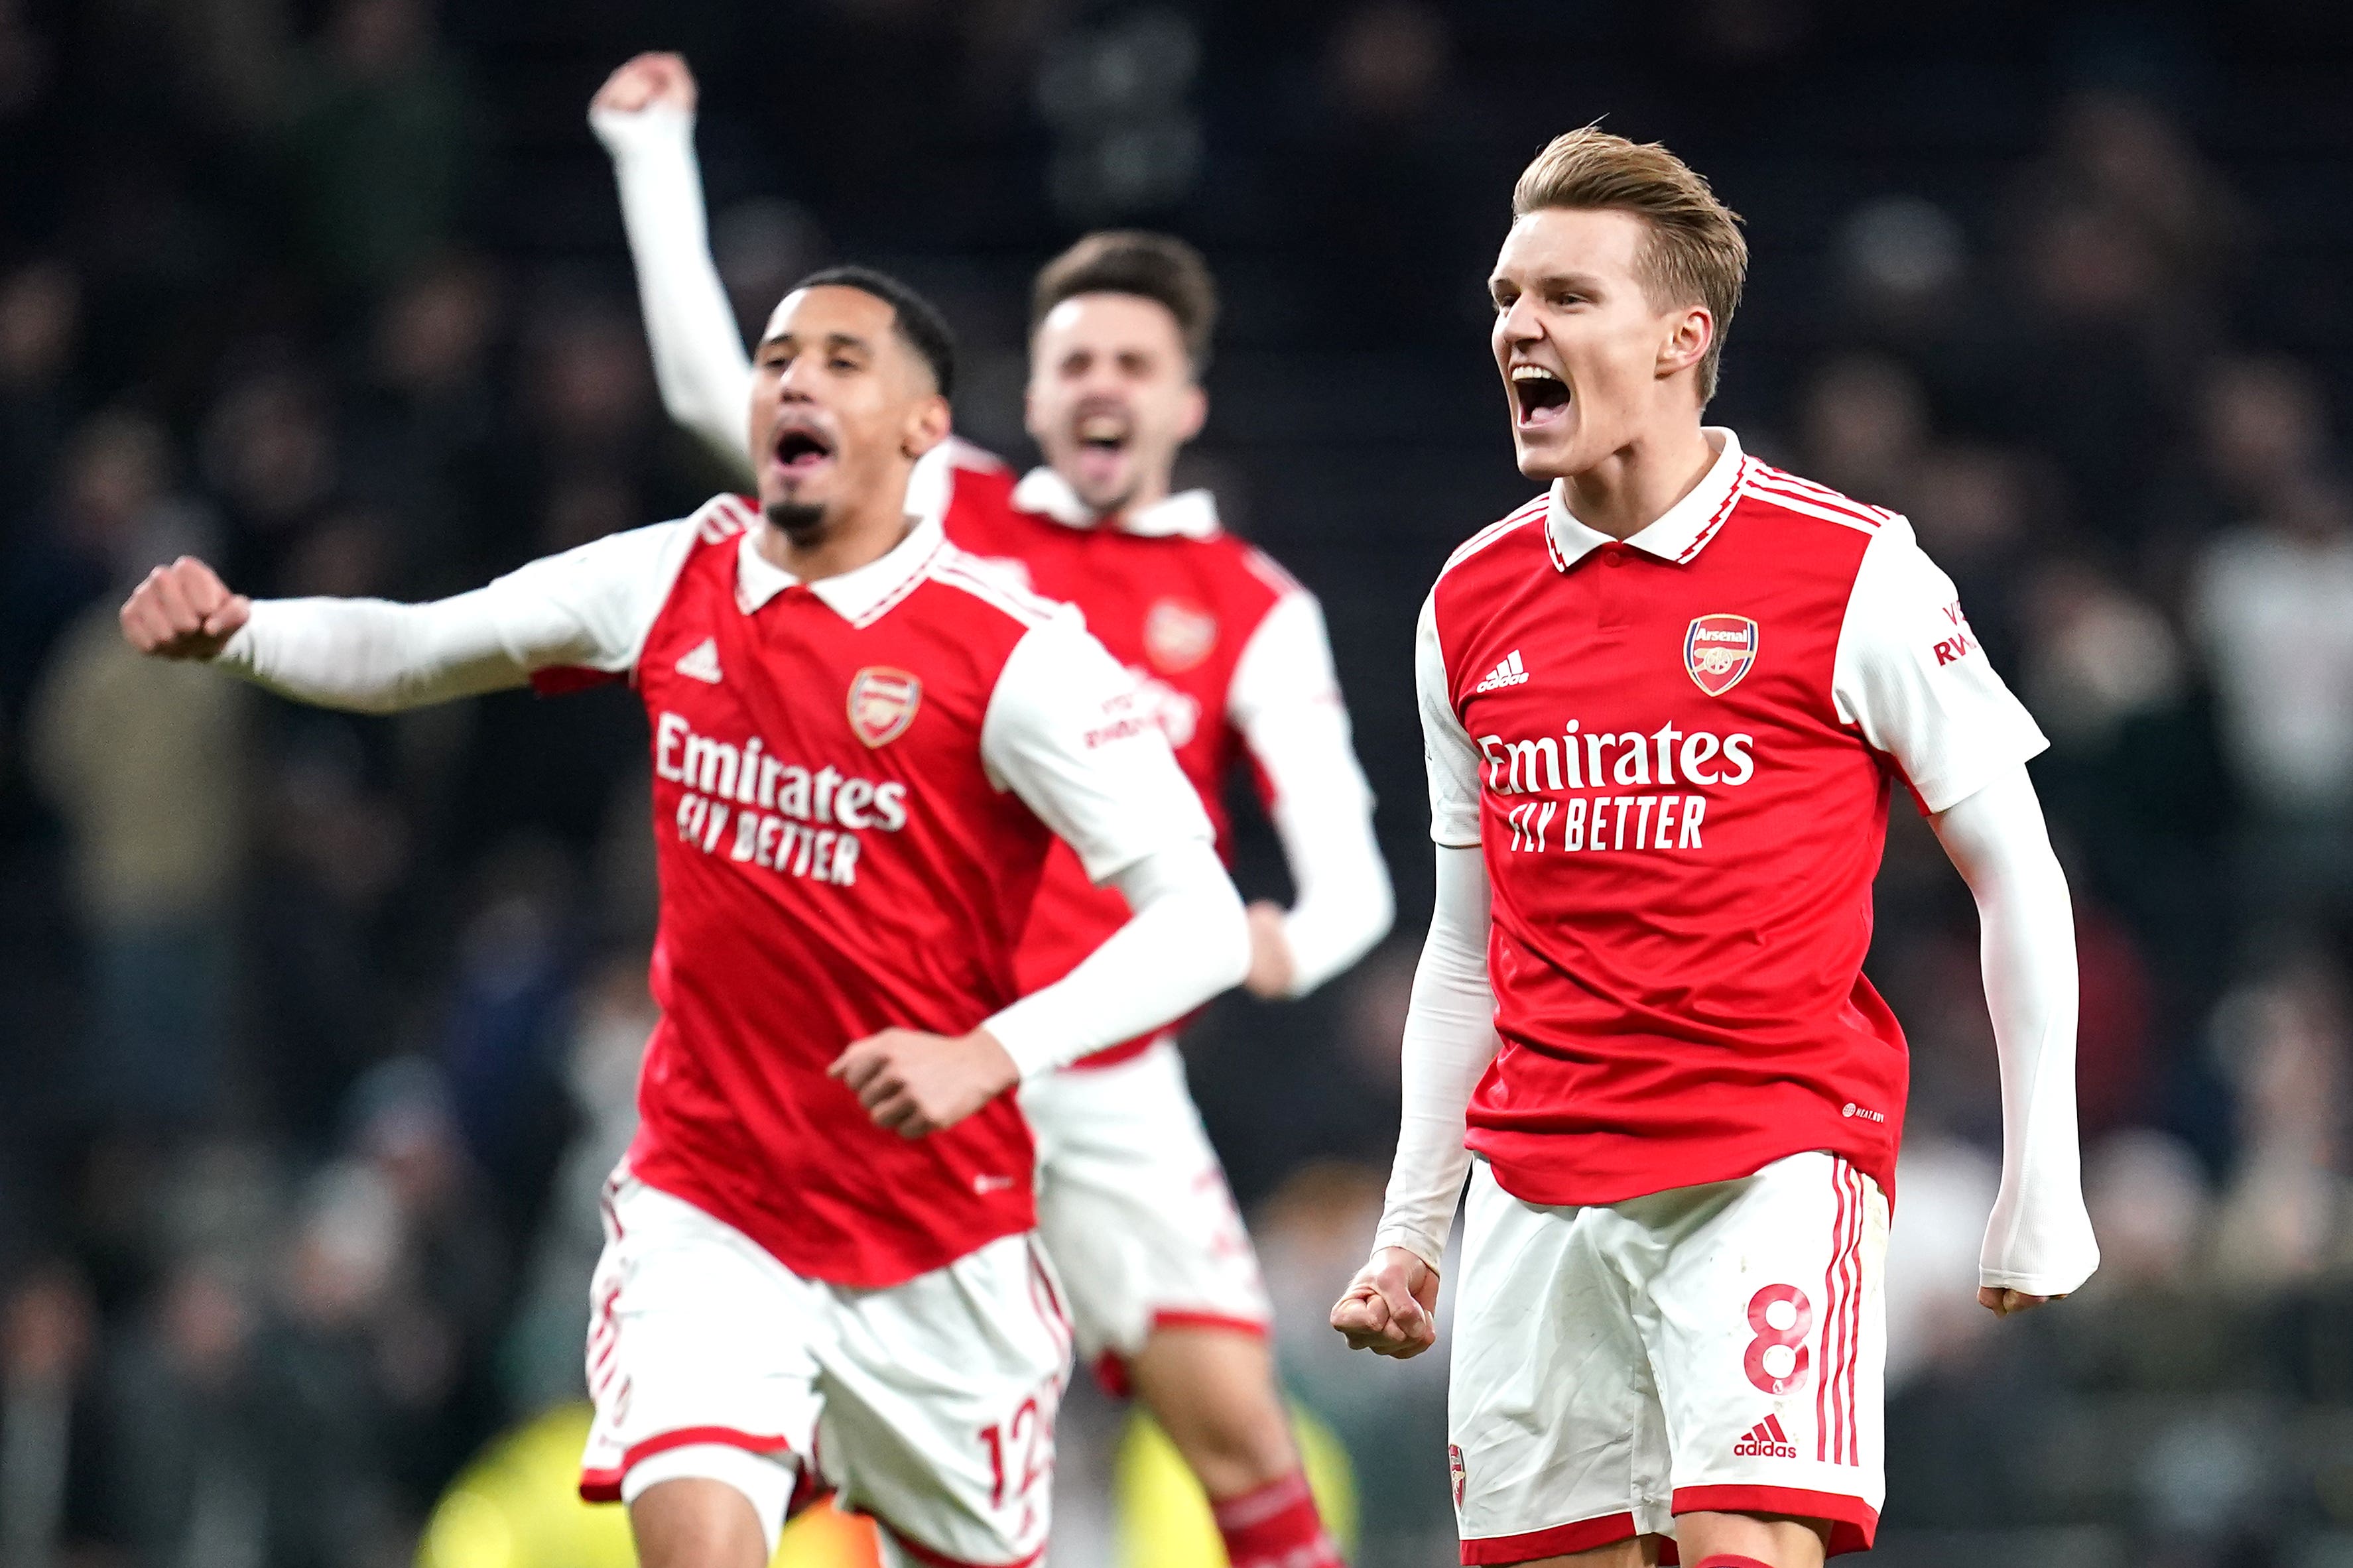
pixel 1625 812
pixel 760 810
pixel 1178 634
pixel 882 704
pixel 1718 650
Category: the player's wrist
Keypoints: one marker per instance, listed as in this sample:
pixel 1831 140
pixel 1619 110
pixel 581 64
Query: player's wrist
pixel 633 133
pixel 993 1059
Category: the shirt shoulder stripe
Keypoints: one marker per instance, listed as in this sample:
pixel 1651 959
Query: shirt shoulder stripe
pixel 1533 511
pixel 953 568
pixel 1780 480
pixel 1789 502
pixel 1269 571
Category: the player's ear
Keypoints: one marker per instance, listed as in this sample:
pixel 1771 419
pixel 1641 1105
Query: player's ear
pixel 1196 413
pixel 1689 334
pixel 927 426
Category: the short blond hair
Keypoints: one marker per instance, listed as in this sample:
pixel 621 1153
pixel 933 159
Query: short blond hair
pixel 1695 254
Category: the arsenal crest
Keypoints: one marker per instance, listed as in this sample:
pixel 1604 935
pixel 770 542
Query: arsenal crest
pixel 1455 1467
pixel 882 704
pixel 1718 650
pixel 1178 635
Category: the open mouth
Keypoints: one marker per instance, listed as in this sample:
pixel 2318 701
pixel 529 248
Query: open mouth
pixel 801 449
pixel 1539 396
pixel 1102 444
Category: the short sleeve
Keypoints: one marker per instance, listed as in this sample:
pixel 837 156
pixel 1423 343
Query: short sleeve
pixel 591 607
pixel 1911 676
pixel 1068 733
pixel 1446 748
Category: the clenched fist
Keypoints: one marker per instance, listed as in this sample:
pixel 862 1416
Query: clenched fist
pixel 648 81
pixel 915 1083
pixel 183 611
pixel 1391 1307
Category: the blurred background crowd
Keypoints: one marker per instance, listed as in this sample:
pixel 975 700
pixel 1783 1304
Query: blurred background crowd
pixel 317 1032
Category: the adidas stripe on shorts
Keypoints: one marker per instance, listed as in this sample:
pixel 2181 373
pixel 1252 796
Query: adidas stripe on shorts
pixel 1708 1348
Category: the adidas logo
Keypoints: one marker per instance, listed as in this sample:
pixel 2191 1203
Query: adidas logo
pixel 1508 673
pixel 1766 1440
pixel 700 662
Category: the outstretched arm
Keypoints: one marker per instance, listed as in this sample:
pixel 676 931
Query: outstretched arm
pixel 2039 1245
pixel 588 607
pixel 1285 701
pixel 644 115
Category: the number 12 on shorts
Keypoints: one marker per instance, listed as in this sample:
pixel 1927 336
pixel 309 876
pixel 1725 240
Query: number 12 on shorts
pixel 1020 1452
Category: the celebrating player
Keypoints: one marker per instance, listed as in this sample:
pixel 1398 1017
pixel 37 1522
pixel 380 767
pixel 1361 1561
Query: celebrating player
pixel 1664 705
pixel 819 1269
pixel 1229 656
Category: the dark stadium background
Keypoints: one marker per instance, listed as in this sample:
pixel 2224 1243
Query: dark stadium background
pixel 315 1031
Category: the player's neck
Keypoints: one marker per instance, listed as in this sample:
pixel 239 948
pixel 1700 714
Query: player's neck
pixel 846 539
pixel 1635 486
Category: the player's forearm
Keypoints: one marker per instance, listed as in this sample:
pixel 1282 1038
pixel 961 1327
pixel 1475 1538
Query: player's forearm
pixel 2039 1240
pixel 699 360
pixel 1450 1038
pixel 370 656
pixel 1345 904
pixel 1185 941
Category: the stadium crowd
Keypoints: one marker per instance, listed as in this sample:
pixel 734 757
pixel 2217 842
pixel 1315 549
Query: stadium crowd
pixel 317 1033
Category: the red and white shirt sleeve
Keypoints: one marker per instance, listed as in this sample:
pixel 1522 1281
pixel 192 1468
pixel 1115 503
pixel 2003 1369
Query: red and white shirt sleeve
pixel 1285 701
pixel 1910 676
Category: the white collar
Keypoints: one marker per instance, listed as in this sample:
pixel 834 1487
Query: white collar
pixel 1189 514
pixel 857 595
pixel 1676 534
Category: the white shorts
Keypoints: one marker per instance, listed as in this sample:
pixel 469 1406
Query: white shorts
pixel 1708 1347
pixel 1133 1209
pixel 929 1405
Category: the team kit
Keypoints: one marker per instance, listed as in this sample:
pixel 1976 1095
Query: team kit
pixel 940 753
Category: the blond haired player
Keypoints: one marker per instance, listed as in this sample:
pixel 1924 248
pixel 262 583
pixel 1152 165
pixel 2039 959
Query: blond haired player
pixel 820 1270
pixel 1228 654
pixel 1666 705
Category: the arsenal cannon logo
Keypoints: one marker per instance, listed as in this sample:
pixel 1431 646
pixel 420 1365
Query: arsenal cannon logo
pixel 882 704
pixel 1718 650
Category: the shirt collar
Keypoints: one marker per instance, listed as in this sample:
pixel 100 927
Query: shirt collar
pixel 856 596
pixel 1189 514
pixel 1679 534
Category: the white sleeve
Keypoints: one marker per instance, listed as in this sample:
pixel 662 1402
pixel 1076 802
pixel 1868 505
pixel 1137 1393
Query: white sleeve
pixel 1065 731
pixel 1450 1038
pixel 1285 701
pixel 590 607
pixel 1446 750
pixel 2040 1238
pixel 1184 941
pixel 699 360
pixel 1909 674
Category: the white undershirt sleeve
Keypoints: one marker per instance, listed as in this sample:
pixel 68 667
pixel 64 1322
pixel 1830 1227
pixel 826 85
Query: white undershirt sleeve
pixel 2040 1238
pixel 1065 731
pixel 1450 1038
pixel 1450 1023
pixel 1285 701
pixel 699 364
pixel 588 607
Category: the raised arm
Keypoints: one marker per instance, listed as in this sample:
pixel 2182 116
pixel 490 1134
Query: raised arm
pixel 2038 1244
pixel 644 115
pixel 1285 701
pixel 1450 1038
pixel 588 607
pixel 1063 733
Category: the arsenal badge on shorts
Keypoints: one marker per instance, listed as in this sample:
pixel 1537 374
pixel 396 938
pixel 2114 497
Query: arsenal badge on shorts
pixel 1178 635
pixel 882 704
pixel 1455 1467
pixel 1718 650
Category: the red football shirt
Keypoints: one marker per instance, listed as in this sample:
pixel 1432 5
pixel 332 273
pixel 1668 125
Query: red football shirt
pixel 1676 753
pixel 849 778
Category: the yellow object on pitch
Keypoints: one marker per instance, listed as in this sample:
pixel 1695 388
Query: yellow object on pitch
pixel 518 1506
pixel 1163 1516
